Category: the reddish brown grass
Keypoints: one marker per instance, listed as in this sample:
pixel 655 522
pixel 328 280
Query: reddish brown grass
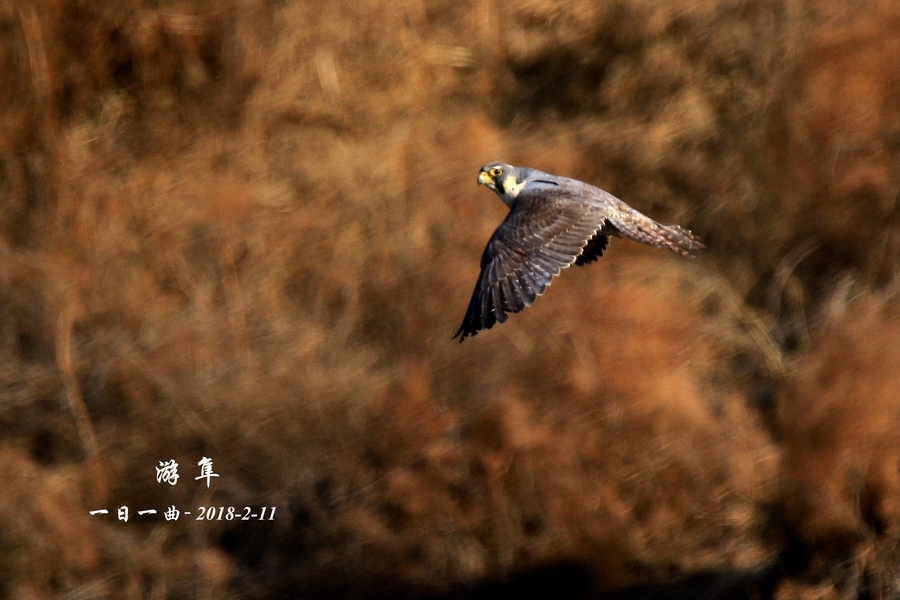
pixel 839 415
pixel 248 230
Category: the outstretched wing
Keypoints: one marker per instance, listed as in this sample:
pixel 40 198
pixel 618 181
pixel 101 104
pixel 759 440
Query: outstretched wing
pixel 546 229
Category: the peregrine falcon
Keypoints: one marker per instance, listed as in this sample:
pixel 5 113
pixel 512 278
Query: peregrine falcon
pixel 552 222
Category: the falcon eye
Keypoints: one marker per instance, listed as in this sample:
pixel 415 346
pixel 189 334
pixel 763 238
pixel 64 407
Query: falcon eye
pixel 496 172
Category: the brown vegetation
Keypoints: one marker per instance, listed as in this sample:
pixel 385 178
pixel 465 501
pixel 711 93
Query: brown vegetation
pixel 248 230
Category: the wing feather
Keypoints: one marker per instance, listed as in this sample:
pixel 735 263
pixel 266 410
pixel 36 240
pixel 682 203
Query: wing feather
pixel 526 287
pixel 544 232
pixel 507 294
pixel 594 249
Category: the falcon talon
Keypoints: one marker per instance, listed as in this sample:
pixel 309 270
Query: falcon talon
pixel 552 223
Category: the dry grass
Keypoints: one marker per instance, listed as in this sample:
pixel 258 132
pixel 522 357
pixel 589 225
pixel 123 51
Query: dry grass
pixel 248 230
pixel 839 416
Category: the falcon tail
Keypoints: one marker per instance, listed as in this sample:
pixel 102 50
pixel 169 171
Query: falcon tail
pixel 645 230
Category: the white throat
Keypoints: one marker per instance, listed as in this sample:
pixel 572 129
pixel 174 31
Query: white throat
pixel 511 189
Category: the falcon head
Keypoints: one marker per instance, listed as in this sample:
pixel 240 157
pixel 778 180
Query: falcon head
pixel 506 180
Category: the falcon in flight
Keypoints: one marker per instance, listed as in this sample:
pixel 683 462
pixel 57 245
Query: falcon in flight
pixel 552 222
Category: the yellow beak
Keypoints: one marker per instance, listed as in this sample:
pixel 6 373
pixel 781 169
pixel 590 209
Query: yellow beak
pixel 484 178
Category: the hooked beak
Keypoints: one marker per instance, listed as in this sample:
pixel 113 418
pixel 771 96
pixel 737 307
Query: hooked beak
pixel 484 179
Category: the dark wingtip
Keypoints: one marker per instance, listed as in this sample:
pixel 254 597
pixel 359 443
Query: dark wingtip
pixel 462 333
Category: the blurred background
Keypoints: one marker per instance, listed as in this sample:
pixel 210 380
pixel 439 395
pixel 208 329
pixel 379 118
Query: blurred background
pixel 247 229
